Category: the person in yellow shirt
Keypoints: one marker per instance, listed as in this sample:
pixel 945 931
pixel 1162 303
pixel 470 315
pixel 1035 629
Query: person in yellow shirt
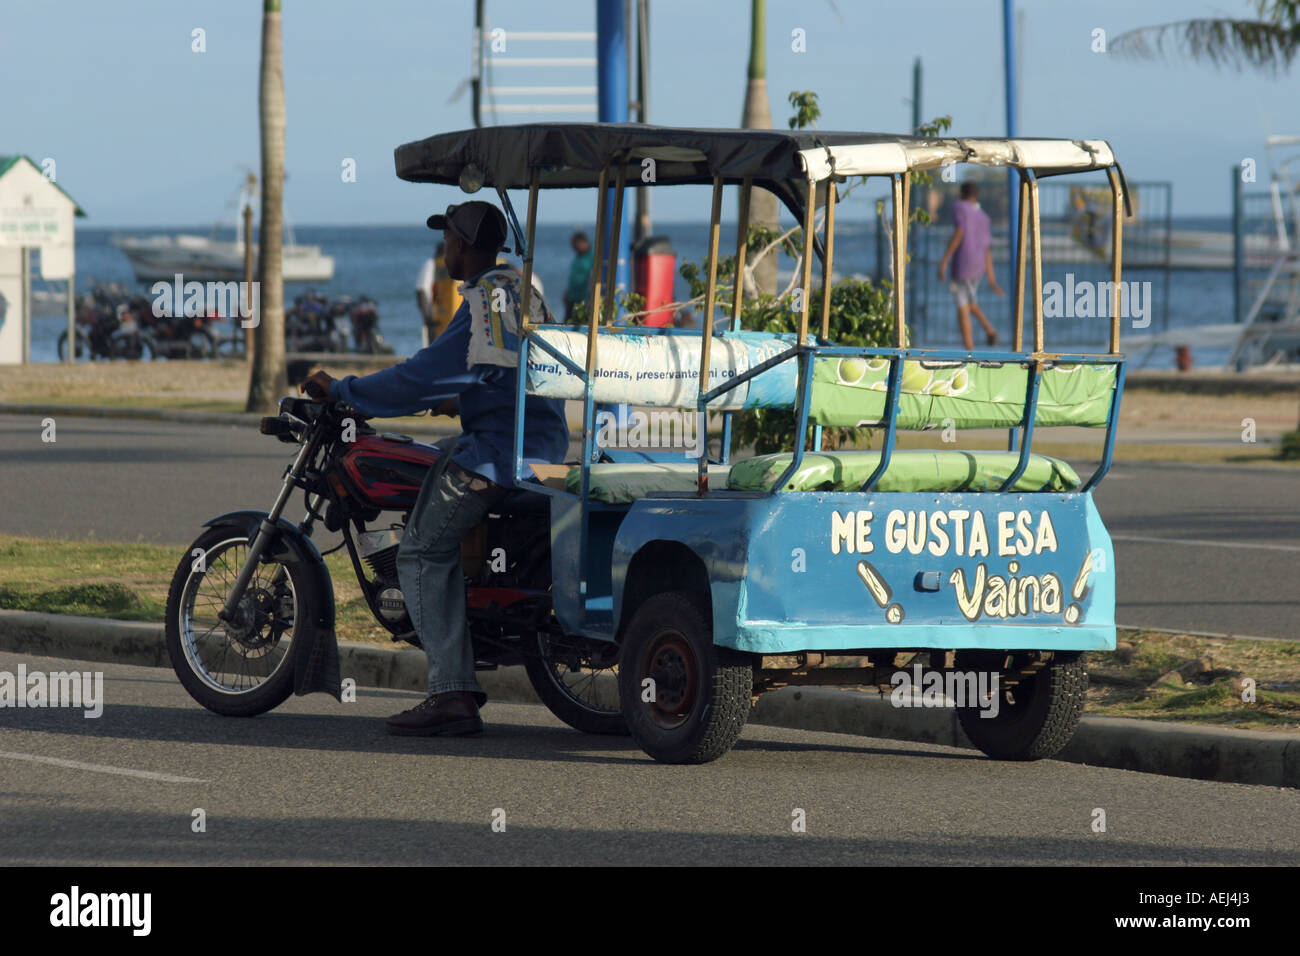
pixel 437 294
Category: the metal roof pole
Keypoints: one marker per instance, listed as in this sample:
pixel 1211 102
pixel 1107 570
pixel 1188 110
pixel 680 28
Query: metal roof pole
pixel 706 332
pixel 530 230
pixel 805 279
pixel 1018 296
pixel 600 257
pixel 1116 253
pixel 742 249
pixel 900 214
pixel 1036 240
pixel 829 243
pixel 620 187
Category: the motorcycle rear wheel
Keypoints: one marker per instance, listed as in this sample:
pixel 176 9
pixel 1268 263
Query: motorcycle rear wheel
pixel 246 667
pixel 577 680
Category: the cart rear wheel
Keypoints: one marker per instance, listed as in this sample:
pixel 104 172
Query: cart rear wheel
pixel 1035 717
pixel 685 699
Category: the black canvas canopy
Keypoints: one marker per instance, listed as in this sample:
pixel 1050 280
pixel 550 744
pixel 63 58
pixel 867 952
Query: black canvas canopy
pixel 571 155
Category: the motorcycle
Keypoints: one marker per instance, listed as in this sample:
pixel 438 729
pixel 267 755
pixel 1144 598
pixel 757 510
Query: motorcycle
pixel 365 328
pixel 179 337
pixel 106 327
pixel 250 610
pixel 312 325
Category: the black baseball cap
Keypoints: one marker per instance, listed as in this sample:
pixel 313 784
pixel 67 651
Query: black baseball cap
pixel 480 224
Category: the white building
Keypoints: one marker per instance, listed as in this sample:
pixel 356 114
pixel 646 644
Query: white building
pixel 35 212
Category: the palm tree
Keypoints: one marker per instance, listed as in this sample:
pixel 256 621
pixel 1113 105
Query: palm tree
pixel 268 380
pixel 1268 43
pixel 757 114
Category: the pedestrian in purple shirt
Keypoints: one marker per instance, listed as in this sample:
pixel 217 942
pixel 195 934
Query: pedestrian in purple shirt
pixel 471 368
pixel 971 252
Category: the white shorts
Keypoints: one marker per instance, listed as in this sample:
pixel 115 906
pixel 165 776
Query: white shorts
pixel 963 290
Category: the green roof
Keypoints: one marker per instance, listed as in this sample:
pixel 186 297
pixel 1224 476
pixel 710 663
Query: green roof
pixel 8 162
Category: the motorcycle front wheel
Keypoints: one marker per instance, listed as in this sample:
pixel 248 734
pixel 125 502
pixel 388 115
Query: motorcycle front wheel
pixel 245 666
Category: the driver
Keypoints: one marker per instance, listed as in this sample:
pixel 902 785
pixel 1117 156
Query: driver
pixel 471 368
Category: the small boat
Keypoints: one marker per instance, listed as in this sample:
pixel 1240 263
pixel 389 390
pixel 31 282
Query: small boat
pixel 155 258
pixel 206 258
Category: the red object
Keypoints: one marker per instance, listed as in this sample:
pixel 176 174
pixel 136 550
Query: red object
pixel 654 267
pixel 1183 358
pixel 477 598
pixel 386 471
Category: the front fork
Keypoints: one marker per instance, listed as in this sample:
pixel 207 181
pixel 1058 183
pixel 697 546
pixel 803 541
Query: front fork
pixel 265 531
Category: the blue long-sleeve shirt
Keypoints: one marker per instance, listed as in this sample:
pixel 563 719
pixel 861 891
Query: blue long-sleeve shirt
pixel 437 373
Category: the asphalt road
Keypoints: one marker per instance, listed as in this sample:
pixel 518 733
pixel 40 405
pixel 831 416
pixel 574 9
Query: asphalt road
pixel 1200 548
pixel 318 782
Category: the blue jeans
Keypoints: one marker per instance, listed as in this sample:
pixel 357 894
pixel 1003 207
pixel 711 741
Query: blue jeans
pixel 451 502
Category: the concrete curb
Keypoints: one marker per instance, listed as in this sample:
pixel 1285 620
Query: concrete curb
pixel 1213 383
pixel 144 414
pixel 242 419
pixel 143 644
pixel 1177 750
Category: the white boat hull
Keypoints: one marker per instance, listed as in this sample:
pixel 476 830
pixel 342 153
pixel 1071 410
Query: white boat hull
pixel 162 258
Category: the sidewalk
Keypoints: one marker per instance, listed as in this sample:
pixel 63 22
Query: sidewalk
pixel 1177 750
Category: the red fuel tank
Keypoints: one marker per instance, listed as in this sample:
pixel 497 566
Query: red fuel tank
pixel 387 470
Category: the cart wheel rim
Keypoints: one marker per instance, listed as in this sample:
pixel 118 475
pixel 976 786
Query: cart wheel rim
pixel 671 665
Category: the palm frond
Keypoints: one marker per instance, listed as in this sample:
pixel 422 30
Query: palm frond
pixel 1237 44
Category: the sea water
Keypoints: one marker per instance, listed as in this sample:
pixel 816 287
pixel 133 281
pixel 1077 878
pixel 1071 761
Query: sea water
pixel 382 262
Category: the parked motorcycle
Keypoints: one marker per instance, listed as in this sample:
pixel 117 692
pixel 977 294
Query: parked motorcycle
pixel 365 328
pixel 181 336
pixel 250 612
pixel 312 325
pixel 106 327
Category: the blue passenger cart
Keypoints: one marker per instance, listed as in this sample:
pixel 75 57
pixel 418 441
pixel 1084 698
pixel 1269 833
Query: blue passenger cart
pixel 975 579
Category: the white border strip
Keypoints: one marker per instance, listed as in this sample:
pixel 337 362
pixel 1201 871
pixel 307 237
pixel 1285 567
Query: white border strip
pixel 100 768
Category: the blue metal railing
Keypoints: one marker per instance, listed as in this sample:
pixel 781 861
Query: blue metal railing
pixel 896 357
pixel 806 355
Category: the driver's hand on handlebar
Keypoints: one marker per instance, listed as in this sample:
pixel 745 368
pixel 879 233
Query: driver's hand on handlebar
pixel 317 385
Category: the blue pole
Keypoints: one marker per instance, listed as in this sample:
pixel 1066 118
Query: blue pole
pixel 1013 184
pixel 611 83
pixel 1009 70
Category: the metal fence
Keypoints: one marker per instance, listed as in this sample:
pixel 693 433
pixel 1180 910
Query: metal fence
pixel 1076 260
pixel 1260 238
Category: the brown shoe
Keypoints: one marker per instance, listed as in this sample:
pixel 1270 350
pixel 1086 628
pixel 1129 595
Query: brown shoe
pixel 453 713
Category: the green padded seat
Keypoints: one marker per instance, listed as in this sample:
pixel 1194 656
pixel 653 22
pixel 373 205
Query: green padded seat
pixel 912 470
pixel 624 483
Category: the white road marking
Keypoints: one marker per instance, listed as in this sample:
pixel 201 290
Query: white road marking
pixel 1205 544
pixel 101 768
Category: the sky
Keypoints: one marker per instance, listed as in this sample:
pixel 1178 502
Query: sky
pixel 145 131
